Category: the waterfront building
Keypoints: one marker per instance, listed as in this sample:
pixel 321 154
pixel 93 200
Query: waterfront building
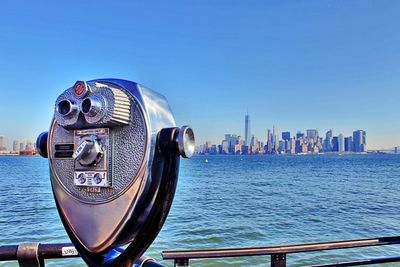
pixel 224 147
pixel 335 144
pixel 315 149
pixel 15 146
pixel 219 149
pixel 232 140
pixel 2 146
pixel 298 144
pixel 341 143
pixel 29 146
pixel 359 141
pixel 247 130
pixel 255 145
pixel 253 140
pixel 288 146
pixel 285 135
pixel 329 134
pixel 238 147
pixel 21 146
pixel 327 145
pixel 299 135
pixel 293 146
pixel 311 134
pixel 310 147
pixel 206 147
pixel 281 147
pixel 275 141
pixel 348 144
pixel 268 149
pixel 244 150
pixel 213 149
pixel 304 148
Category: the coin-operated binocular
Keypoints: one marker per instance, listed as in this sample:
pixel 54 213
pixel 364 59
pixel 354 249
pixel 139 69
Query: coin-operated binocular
pixel 113 150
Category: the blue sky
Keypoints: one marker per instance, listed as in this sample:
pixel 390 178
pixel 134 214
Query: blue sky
pixel 292 64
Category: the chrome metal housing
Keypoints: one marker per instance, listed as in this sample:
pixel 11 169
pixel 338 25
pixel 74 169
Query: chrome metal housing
pixel 136 131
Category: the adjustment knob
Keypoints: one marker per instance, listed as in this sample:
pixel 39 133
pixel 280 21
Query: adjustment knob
pixel 186 143
pixel 41 144
pixel 89 152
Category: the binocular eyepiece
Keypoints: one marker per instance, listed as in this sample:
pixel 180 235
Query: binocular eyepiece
pixel 113 150
pixel 66 108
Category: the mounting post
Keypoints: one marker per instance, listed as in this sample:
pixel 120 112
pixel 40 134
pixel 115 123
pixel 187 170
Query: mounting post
pixel 181 263
pixel 278 260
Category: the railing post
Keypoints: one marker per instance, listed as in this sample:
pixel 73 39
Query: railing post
pixel 278 260
pixel 181 263
pixel 28 255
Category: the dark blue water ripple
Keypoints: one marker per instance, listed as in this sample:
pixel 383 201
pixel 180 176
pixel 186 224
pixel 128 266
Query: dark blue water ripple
pixel 236 201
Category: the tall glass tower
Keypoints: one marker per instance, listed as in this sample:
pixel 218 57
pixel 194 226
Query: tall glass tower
pixel 359 141
pixel 247 133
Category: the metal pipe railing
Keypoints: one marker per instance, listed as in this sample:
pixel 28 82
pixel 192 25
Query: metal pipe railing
pixel 279 253
pixel 34 254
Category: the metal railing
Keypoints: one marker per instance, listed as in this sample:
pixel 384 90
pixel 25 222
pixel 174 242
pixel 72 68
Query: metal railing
pixel 34 254
pixel 278 254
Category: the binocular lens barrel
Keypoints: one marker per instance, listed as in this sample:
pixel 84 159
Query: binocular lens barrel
pixel 91 106
pixel 66 108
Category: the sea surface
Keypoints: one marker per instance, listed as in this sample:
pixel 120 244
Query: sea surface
pixel 236 201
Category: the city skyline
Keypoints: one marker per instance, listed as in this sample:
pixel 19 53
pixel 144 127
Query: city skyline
pixel 16 145
pixel 8 143
pixel 292 64
pixel 309 141
pixel 289 143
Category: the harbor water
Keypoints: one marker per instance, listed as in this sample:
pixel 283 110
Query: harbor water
pixel 236 201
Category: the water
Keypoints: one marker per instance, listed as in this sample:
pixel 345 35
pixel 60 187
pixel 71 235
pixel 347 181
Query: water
pixel 236 201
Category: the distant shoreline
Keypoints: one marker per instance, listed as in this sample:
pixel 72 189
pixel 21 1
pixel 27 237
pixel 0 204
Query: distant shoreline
pixel 18 155
pixel 305 154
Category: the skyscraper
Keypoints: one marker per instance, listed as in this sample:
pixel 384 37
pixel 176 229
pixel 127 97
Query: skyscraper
pixel 312 133
pixel 29 146
pixel 275 141
pixel 348 144
pixel 359 141
pixel 268 149
pixel 15 146
pixel 335 144
pixel 2 143
pixel 299 135
pixel 328 141
pixel 232 140
pixel 341 143
pixel 285 135
pixel 247 132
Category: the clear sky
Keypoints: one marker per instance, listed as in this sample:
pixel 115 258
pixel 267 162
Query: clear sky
pixel 292 64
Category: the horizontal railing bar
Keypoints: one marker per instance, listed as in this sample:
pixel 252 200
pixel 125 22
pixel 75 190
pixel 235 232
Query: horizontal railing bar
pixel 45 251
pixel 297 248
pixel 8 252
pixel 55 251
pixel 360 262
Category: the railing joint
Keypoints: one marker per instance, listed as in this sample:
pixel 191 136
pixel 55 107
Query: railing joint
pixel 28 255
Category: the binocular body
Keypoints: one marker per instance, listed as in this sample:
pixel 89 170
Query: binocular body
pixel 113 149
